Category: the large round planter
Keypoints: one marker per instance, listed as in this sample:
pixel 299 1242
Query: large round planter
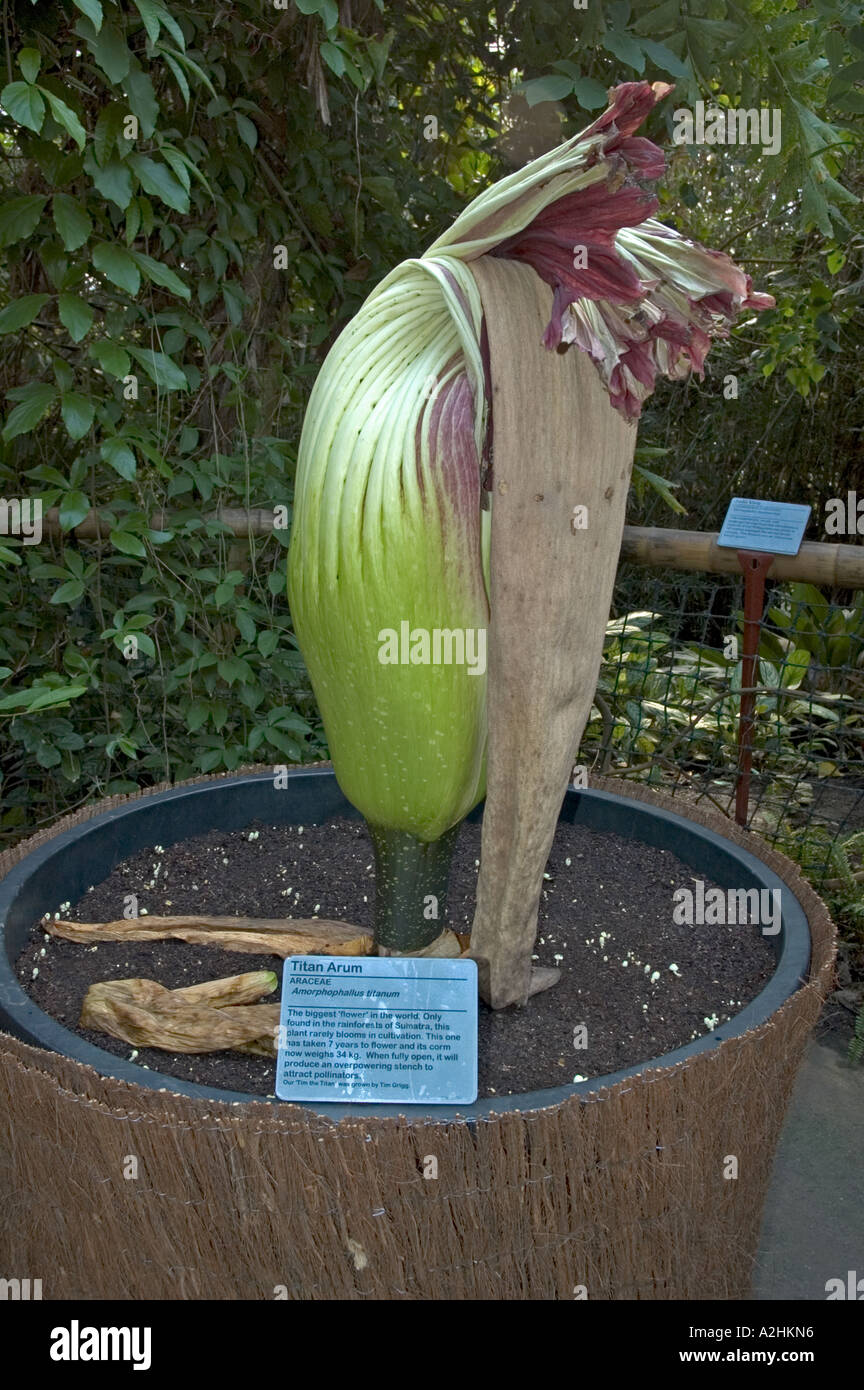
pixel 649 1183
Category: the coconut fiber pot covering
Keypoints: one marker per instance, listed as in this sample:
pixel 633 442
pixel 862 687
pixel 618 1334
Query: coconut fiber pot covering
pixel 619 1192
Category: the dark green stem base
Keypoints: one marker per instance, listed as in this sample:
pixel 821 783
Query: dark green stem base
pixel 408 872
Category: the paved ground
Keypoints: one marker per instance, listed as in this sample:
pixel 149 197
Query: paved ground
pixel 814 1217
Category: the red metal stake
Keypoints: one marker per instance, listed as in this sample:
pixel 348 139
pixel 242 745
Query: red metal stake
pixel 755 564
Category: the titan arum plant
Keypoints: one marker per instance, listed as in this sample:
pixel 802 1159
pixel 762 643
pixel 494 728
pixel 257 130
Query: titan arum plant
pixel 460 497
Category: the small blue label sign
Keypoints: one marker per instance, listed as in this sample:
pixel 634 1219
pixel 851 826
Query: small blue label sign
pixel 387 1029
pixel 775 527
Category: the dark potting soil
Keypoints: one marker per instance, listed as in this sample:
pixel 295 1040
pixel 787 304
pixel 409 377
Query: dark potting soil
pixel 640 984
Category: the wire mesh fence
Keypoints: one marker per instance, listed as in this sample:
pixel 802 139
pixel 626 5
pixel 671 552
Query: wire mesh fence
pixel 666 711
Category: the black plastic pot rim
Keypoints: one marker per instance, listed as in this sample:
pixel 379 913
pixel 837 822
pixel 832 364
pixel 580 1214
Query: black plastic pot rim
pixel 198 807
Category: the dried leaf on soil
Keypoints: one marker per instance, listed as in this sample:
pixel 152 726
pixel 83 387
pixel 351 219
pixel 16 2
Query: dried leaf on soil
pixel 250 935
pixel 207 1017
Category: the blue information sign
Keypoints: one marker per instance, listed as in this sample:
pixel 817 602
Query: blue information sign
pixel 387 1029
pixel 775 527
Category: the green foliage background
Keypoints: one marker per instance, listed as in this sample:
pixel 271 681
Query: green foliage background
pixel 348 135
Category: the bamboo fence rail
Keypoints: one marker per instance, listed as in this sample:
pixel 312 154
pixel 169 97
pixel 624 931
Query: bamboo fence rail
pixel 817 562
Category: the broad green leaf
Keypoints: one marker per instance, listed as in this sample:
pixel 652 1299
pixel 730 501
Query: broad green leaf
pixel 161 370
pixel 625 48
pixel 851 102
pixel 247 130
pixel 196 715
pixel 77 412
pixel 843 195
pixel 119 455
pixel 29 410
pixel 40 696
pixel 70 592
pixel 65 116
pixel 73 509
pixel 179 74
pixel 590 94
pixel 76 316
pixel 664 58
pixel 161 275
pixel 114 181
pixel 189 65
pixel 795 669
pixel 24 104
pixel 117 265
pixel 93 11
pixel 133 220
pixel 145 643
pixel 328 10
pixel 179 167
pixel 21 312
pixel 142 100
pixel 108 127
pixel 63 375
pixel 150 16
pixel 174 29
pixel 30 61
pixel 111 53
pixel 835 49
pixel 718 28
pixel 234 668
pixel 246 625
pixel 223 593
pixel 234 300
pixel 333 57
pixel 661 486
pixel 816 132
pixel 551 88
pixel 184 168
pixel 666 14
pixel 111 359
pixel 807 596
pixel 219 714
pixel 814 208
pixel 158 180
pixel 128 544
pixel 72 221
